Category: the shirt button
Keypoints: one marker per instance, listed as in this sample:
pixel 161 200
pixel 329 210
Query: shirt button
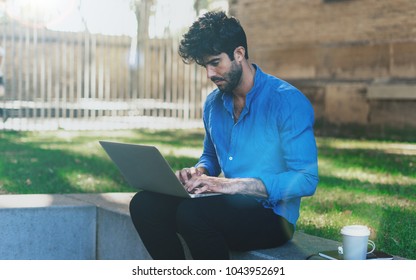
pixel 230 158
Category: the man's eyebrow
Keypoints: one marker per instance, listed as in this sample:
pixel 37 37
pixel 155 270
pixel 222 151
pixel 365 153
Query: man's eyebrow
pixel 212 60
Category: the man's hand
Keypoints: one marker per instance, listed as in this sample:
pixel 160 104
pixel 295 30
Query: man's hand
pixel 186 174
pixel 208 184
pixel 204 184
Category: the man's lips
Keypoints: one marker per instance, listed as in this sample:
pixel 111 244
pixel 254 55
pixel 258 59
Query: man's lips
pixel 218 81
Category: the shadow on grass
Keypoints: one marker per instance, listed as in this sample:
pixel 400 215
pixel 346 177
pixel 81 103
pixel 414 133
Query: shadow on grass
pixel 405 244
pixel 400 191
pixel 371 160
pixel 26 168
pixel 390 212
pixel 175 138
pixel 370 132
pixel 393 227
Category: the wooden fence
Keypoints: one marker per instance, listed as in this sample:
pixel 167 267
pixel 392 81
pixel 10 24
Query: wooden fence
pixel 82 80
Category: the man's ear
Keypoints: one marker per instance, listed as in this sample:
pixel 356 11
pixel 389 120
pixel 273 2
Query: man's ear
pixel 239 53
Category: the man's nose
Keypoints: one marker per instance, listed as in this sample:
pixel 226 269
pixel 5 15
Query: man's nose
pixel 210 72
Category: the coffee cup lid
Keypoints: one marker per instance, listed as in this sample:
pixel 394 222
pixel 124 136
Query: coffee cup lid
pixel 355 230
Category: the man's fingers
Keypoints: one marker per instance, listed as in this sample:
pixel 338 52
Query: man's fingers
pixel 192 184
pixel 198 184
pixel 185 174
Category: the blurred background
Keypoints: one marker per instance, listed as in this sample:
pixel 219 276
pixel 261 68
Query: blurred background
pixel 99 64
pixel 113 64
pixel 72 71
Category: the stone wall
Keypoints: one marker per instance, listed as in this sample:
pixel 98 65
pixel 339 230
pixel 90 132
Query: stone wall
pixel 341 53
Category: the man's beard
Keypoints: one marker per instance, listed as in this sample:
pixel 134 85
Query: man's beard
pixel 232 78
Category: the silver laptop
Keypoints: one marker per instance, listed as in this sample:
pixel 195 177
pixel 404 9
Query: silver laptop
pixel 145 168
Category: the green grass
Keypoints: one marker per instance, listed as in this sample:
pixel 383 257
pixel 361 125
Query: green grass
pixel 365 182
pixel 361 181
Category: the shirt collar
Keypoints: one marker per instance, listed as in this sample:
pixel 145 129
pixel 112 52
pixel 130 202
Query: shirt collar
pixel 228 98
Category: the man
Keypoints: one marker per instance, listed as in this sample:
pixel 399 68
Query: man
pixel 259 135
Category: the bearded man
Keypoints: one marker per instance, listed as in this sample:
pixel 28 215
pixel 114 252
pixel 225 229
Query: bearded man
pixel 258 136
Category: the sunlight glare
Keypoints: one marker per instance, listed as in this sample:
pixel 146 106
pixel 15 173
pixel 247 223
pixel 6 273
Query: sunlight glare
pixel 40 13
pixel 170 17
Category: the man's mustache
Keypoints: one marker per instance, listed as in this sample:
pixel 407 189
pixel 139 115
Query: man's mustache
pixel 217 79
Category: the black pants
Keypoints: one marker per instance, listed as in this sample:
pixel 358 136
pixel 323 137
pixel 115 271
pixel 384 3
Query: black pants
pixel 211 226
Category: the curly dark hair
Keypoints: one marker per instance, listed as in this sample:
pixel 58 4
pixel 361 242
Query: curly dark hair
pixel 212 34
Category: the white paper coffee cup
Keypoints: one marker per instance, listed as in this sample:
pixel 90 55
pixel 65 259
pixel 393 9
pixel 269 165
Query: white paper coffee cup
pixel 355 242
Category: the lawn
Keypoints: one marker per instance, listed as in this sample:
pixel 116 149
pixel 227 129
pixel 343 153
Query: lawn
pixel 361 181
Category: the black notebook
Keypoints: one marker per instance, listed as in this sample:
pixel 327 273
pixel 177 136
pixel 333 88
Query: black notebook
pixel 376 255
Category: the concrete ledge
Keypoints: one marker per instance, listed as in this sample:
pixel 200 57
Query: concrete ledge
pixel 46 227
pixel 98 226
pixel 116 237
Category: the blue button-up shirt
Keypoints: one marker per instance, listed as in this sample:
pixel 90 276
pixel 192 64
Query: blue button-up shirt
pixel 273 141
